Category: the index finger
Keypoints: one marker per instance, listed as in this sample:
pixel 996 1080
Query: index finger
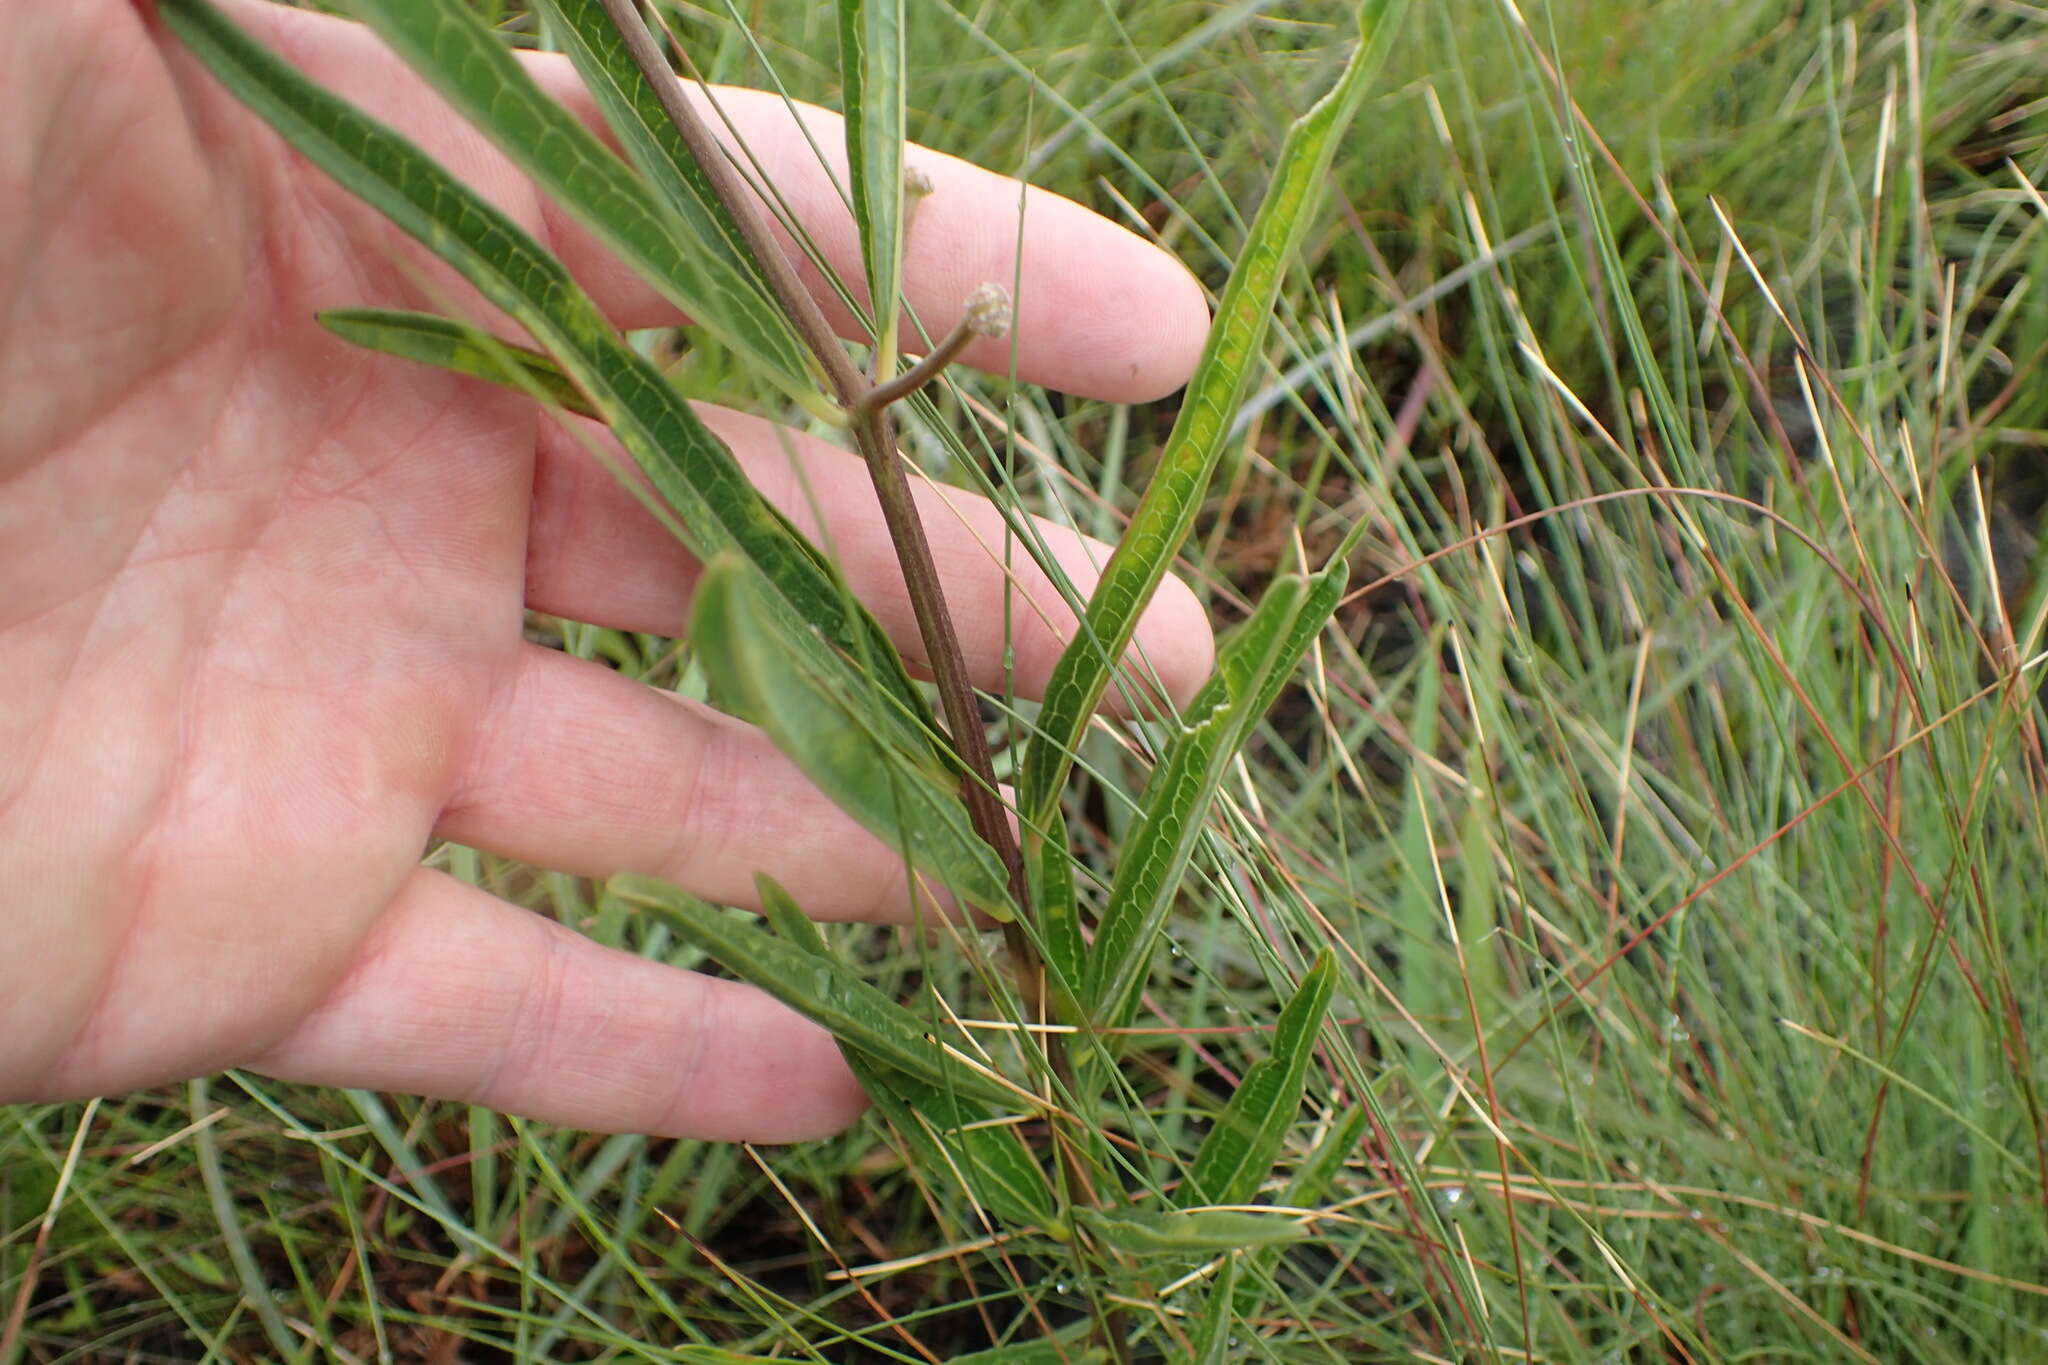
pixel 1100 311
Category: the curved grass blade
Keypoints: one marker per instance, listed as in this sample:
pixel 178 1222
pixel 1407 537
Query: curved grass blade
pixel 451 345
pixel 1167 510
pixel 1239 1151
pixel 1251 668
pixel 758 670
pixel 820 988
pixel 471 67
pixel 871 68
pixel 691 469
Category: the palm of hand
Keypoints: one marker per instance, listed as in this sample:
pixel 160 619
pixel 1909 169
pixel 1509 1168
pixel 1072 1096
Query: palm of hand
pixel 264 641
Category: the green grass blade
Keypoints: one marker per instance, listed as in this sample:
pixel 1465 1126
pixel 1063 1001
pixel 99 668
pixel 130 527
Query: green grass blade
pixel 1239 1151
pixel 759 671
pixel 693 265
pixel 1251 668
pixel 871 42
pixel 1166 512
pixel 452 345
pixel 691 469
pixel 821 989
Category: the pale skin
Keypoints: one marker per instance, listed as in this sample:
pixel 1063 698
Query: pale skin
pixel 261 605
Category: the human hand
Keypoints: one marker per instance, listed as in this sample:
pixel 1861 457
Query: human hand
pixel 261 600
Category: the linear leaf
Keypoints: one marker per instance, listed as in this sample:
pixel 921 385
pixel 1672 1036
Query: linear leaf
pixel 1062 1350
pixel 1318 605
pixel 452 345
pixel 1239 1151
pixel 1251 668
pixel 1313 1177
pixel 822 989
pixel 760 671
pixel 691 469
pixel 871 40
pixel 953 1132
pixel 634 113
pixel 1190 1232
pixel 451 47
pixel 1212 1340
pixel 947 1128
pixel 1167 510
pixel 780 909
pixel 1058 916
pixel 1305 1190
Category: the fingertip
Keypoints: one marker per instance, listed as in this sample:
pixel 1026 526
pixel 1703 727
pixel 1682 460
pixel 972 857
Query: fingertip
pixel 778 1077
pixel 1169 321
pixel 1114 317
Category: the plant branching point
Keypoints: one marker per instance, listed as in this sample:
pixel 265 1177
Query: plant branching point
pixel 873 433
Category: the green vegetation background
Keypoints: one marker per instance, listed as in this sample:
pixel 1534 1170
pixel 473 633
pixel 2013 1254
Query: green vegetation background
pixel 1680 846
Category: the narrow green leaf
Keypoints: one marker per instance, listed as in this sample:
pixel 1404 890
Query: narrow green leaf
pixel 1251 668
pixel 635 116
pixel 690 468
pixel 1190 1232
pixel 1167 510
pixel 452 345
pixel 1305 1190
pixel 871 40
pixel 473 69
pixel 1058 916
pixel 1239 1151
pixel 952 1132
pixel 759 671
pixel 780 909
pixel 1068 1349
pixel 1313 1177
pixel 1212 1341
pixel 1318 605
pixel 821 989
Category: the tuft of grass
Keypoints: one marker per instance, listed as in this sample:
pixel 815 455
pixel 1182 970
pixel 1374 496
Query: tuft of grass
pixel 1666 789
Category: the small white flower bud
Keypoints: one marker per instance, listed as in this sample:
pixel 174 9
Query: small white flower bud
pixel 988 311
